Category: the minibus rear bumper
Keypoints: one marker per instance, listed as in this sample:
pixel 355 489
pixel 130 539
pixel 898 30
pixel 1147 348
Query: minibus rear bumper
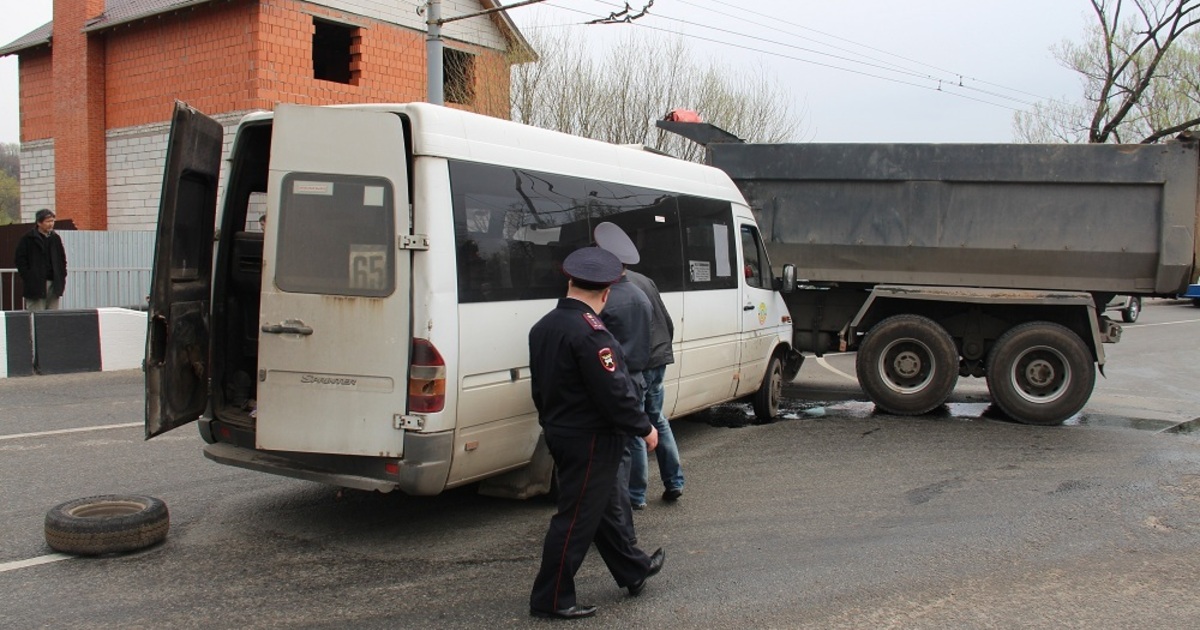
pixel 419 473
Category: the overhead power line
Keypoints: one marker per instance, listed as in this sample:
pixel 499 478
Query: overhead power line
pixel 960 76
pixel 953 84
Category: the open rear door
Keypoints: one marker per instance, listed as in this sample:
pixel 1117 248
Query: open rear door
pixel 177 334
pixel 335 335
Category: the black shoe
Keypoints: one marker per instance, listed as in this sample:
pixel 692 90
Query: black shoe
pixel 672 495
pixel 656 565
pixel 574 612
pixel 637 506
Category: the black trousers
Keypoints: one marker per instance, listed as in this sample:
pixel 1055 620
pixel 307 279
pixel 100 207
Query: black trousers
pixel 589 510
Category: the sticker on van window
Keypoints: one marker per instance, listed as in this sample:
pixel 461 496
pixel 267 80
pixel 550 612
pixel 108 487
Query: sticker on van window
pixel 373 196
pixel 700 270
pixel 368 267
pixel 300 187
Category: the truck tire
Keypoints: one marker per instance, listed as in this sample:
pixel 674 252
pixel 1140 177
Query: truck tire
pixel 1131 312
pixel 1040 373
pixel 766 399
pixel 106 524
pixel 907 364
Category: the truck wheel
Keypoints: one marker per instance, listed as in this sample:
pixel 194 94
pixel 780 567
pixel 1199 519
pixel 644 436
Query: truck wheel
pixel 1040 373
pixel 106 524
pixel 907 364
pixel 1130 314
pixel 766 399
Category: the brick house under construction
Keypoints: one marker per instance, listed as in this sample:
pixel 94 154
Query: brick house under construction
pixel 97 84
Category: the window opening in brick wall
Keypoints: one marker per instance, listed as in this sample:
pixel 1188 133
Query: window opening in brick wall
pixel 336 54
pixel 458 71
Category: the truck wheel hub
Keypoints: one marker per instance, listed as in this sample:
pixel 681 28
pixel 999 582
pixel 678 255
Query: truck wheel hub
pixel 908 364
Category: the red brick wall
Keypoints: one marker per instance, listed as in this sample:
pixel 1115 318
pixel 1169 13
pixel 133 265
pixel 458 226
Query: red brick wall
pixel 248 55
pixel 36 95
pixel 392 62
pixel 79 147
pixel 202 56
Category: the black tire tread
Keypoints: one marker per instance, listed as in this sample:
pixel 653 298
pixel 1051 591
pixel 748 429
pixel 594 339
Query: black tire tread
pixel 762 398
pixel 67 533
pixel 914 405
pixel 1054 413
pixel 1130 315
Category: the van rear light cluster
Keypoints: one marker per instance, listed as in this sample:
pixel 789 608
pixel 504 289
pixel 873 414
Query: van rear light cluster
pixel 426 378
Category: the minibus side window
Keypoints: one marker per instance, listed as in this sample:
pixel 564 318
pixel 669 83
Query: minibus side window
pixel 708 235
pixel 756 268
pixel 336 235
pixel 651 220
pixel 513 228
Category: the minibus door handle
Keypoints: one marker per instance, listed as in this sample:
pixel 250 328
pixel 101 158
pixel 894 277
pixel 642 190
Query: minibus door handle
pixel 748 307
pixel 288 327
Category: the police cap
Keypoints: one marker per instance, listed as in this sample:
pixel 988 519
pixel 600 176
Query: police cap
pixel 612 238
pixel 592 264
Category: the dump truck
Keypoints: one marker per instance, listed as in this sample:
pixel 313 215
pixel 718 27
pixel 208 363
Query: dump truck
pixel 940 261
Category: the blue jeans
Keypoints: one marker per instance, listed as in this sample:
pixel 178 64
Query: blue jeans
pixel 667 451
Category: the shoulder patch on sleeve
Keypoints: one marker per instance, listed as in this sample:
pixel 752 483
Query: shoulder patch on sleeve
pixel 593 321
pixel 607 360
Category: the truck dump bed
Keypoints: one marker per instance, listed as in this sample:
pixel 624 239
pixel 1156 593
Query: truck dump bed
pixel 1098 218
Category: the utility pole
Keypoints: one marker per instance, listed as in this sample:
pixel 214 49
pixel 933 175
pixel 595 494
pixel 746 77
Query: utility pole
pixel 434 72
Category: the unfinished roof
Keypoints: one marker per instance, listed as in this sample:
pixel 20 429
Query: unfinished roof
pixel 117 12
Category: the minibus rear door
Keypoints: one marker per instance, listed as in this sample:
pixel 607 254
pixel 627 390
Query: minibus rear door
pixel 334 339
pixel 177 334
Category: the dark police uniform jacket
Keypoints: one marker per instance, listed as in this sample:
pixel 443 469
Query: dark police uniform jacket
pixel 579 379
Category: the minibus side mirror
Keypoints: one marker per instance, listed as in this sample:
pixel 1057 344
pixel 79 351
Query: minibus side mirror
pixel 789 279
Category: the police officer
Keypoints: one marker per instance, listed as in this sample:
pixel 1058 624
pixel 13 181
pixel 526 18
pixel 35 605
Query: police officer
pixel 588 408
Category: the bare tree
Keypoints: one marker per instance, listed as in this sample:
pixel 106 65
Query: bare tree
pixel 615 96
pixel 1138 65
pixel 10 189
pixel 10 199
pixel 10 159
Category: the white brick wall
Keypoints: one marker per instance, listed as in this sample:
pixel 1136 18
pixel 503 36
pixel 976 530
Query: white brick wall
pixel 136 156
pixel 37 178
pixel 477 30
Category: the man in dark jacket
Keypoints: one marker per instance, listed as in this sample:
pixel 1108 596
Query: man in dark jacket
pixel 41 262
pixel 588 410
pixel 656 334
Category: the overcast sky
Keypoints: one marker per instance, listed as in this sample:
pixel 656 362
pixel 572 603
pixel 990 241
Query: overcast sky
pixel 860 70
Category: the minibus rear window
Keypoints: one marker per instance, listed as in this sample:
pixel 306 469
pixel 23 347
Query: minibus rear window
pixel 335 235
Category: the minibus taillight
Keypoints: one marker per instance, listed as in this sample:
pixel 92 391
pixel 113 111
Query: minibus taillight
pixel 427 378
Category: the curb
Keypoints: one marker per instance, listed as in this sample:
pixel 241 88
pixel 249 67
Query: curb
pixel 66 342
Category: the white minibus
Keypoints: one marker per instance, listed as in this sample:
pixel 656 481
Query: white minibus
pixel 373 334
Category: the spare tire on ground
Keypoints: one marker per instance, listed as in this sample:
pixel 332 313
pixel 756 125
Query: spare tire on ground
pixel 110 523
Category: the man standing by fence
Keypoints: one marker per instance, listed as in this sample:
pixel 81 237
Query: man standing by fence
pixel 41 262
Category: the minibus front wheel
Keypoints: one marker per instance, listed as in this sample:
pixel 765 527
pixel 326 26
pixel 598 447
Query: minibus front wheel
pixel 766 399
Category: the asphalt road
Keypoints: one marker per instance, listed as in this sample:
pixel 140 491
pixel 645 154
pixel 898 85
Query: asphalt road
pixel 834 517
